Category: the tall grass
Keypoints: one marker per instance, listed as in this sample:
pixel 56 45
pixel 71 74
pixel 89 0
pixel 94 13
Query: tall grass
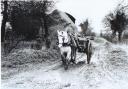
pixel 114 40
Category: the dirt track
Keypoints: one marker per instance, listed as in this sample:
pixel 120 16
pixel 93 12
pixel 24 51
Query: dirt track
pixel 108 70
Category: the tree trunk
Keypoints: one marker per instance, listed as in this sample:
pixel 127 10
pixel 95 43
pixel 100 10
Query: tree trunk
pixel 113 34
pixel 5 17
pixel 45 26
pixel 47 39
pixel 119 36
pixel 41 31
pixel 46 35
pixel 45 32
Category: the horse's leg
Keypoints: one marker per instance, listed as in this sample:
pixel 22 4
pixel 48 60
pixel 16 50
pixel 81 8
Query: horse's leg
pixel 73 54
pixel 69 54
pixel 64 61
pixel 68 58
pixel 89 53
pixel 63 56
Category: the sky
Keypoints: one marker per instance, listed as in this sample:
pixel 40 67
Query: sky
pixel 94 10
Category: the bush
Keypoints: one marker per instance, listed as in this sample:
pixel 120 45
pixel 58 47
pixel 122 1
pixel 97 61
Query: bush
pixel 24 56
pixel 107 36
pixel 125 36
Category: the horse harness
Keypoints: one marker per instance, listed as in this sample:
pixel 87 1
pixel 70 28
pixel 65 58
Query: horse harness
pixel 65 44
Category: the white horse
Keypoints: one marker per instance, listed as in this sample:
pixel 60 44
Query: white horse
pixel 65 48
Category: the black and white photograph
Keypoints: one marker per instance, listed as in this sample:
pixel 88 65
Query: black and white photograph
pixel 64 44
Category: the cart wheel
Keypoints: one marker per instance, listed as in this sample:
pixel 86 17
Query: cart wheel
pixel 89 53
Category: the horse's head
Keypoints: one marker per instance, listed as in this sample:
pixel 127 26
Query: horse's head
pixel 63 37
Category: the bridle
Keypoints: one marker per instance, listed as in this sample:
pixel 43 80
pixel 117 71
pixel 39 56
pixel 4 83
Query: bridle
pixel 63 43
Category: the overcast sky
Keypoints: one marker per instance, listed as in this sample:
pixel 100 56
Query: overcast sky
pixel 94 10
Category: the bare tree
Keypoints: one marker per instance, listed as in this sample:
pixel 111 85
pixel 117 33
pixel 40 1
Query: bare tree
pixel 86 28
